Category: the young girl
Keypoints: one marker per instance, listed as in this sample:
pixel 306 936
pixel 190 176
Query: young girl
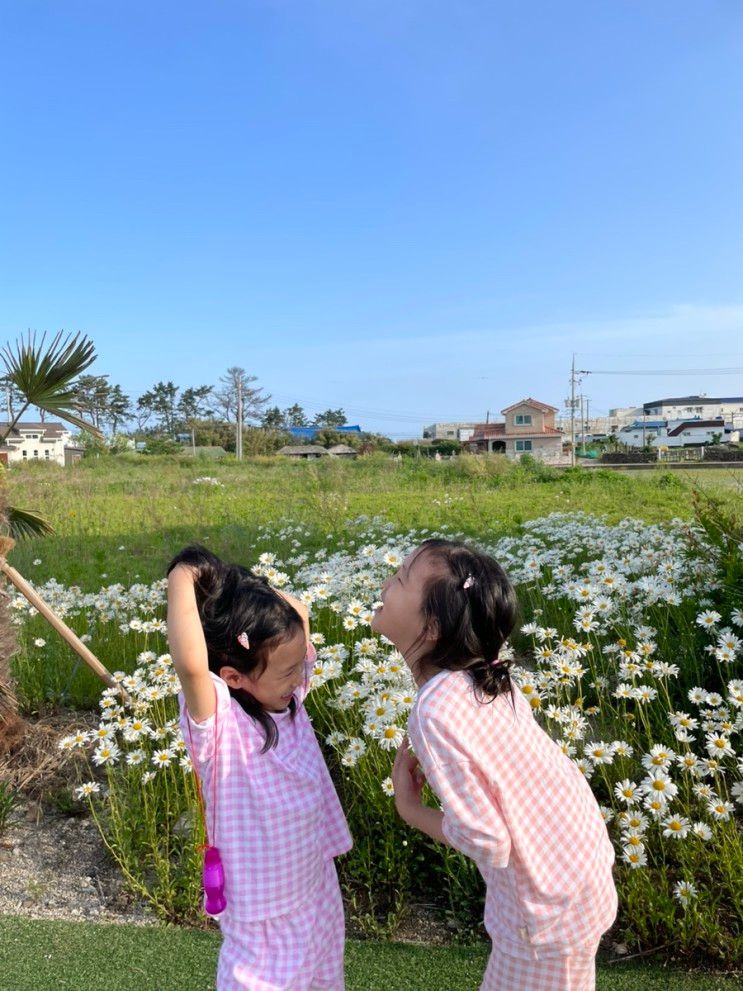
pixel 241 651
pixel 510 799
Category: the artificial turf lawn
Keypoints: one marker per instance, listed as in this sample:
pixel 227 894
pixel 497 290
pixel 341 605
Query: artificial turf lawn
pixel 40 955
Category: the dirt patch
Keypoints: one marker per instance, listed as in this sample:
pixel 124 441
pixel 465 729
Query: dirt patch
pixel 57 867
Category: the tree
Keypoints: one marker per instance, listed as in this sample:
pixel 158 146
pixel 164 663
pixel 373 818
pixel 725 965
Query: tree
pixel 294 416
pixel 236 383
pixel 12 397
pixel 119 408
pixel 273 419
pixel 194 404
pixel 161 402
pixel 45 377
pixel 330 418
pixel 93 396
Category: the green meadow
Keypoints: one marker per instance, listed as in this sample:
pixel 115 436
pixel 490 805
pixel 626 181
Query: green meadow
pixel 120 519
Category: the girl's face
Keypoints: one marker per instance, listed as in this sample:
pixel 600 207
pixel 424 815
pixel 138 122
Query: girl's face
pixel 400 617
pixel 283 674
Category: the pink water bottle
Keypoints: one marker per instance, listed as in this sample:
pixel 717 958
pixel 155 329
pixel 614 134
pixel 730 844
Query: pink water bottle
pixel 213 880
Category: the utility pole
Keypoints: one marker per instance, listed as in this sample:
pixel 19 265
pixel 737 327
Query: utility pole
pixel 239 435
pixel 582 426
pixel 572 412
pixel 572 404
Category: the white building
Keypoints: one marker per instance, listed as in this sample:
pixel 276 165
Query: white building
pixel 692 432
pixel 39 442
pixel 601 426
pixel 449 431
pixel 730 408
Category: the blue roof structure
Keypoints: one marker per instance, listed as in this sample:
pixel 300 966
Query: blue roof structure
pixel 309 433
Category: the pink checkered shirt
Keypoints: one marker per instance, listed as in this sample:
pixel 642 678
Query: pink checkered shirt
pixel 278 816
pixel 523 811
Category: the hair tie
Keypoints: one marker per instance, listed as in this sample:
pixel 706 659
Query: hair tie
pixel 468 583
pixel 243 641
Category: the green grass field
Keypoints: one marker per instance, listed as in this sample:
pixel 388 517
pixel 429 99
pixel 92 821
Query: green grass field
pixel 123 518
pixel 78 956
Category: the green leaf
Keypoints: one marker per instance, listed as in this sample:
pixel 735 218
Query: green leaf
pixel 45 375
pixel 27 523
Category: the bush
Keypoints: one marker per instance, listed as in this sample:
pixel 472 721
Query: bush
pixel 723 453
pixel 637 457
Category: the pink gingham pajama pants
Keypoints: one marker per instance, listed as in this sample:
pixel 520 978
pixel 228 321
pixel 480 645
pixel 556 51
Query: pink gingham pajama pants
pixel 299 951
pixel 575 972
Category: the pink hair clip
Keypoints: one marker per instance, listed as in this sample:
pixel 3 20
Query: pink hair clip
pixel 469 581
pixel 497 664
pixel 243 641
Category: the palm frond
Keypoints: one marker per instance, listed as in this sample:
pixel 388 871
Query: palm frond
pixel 27 523
pixel 44 375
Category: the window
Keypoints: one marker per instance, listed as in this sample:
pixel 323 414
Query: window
pixel 36 454
pixel 25 453
pixel 46 454
pixel 523 419
pixel 523 445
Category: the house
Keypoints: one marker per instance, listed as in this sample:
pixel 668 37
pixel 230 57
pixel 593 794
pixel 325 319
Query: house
pixel 305 451
pixel 528 428
pixel 730 408
pixel 342 451
pixel 38 441
pixel 690 432
pixel 449 431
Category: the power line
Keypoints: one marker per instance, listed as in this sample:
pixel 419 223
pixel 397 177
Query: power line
pixel 662 371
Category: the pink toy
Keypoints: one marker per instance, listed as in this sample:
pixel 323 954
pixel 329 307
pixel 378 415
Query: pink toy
pixel 213 879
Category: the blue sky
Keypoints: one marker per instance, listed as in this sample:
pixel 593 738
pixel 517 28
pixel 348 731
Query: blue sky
pixel 413 210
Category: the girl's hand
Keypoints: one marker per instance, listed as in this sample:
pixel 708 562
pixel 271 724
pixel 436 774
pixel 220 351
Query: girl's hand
pixel 300 608
pixel 408 780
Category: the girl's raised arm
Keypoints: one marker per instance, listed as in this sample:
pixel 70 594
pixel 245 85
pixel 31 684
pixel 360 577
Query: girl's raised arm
pixel 187 644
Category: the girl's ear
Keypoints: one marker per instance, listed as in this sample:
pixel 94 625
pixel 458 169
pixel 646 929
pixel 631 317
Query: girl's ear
pixel 432 630
pixel 232 676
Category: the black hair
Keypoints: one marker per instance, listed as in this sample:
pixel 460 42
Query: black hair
pixel 232 600
pixel 470 603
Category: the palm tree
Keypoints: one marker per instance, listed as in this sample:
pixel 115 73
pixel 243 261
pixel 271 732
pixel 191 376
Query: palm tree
pixel 45 377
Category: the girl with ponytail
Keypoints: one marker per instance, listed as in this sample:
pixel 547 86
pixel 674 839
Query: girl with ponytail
pixel 510 798
pixel 243 656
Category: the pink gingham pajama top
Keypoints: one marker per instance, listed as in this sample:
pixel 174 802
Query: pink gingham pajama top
pixel 522 810
pixel 279 825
